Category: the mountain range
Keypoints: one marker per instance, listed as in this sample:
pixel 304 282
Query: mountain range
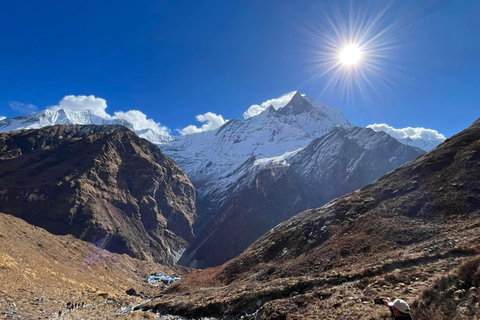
pixel 303 215
pixel 241 171
pixel 337 163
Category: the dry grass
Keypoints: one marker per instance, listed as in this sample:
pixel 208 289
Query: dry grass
pixel 41 273
pixel 453 296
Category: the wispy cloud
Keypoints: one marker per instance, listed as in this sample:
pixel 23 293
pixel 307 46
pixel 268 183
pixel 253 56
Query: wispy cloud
pixel 23 107
pixel 211 121
pixel 137 118
pixel 277 103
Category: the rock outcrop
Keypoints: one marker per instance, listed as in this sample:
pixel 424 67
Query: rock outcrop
pixel 102 184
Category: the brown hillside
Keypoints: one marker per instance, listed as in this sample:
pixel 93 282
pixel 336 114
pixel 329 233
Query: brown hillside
pixel 102 184
pixel 392 238
pixel 41 273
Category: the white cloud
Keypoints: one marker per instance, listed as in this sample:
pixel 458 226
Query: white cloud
pixel 140 122
pixel 98 105
pixel 212 121
pixel 77 103
pixel 276 103
pixel 23 107
pixel 2 118
pixel 408 132
pixel 431 137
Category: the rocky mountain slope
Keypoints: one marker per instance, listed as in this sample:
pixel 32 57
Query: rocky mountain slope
pixel 102 184
pixel 44 276
pixel 392 238
pixel 339 162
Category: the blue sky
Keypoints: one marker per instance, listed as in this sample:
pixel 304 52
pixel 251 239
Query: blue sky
pixel 174 60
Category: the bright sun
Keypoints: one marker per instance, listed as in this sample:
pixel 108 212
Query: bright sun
pixel 350 55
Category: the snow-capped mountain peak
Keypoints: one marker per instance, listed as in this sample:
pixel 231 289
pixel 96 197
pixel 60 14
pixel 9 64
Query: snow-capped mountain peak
pixel 297 105
pixel 215 159
pixel 53 117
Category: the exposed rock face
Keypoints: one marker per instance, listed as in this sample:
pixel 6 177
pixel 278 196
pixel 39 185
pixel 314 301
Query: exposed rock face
pixel 335 164
pixel 102 184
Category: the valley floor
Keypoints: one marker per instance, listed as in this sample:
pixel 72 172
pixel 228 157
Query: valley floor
pixel 341 293
pixel 40 274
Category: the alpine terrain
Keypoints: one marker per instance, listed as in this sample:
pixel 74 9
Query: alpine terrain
pixel 46 276
pixel 253 174
pixel 273 190
pixel 412 234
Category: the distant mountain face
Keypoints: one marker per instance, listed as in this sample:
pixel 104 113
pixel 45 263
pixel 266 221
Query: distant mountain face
pixel 64 116
pixel 50 117
pixel 102 184
pixel 337 163
pixel 215 160
pixel 426 145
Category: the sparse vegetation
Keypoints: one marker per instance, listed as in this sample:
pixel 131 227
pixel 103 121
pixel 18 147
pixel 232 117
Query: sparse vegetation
pixel 453 296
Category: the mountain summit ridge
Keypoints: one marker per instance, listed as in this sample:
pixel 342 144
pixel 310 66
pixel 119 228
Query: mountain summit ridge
pixel 211 158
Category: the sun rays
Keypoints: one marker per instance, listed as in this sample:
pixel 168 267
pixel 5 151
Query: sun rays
pixel 353 50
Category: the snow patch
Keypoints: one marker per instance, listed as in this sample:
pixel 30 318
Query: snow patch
pixel 280 160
